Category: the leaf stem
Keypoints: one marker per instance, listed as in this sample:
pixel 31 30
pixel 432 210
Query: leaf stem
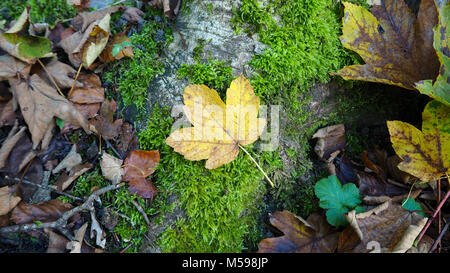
pixel 257 165
pixel 51 78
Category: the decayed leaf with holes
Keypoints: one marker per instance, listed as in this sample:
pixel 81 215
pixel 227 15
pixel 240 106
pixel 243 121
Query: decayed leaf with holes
pixel 8 199
pixel 40 103
pixel 386 228
pixel 45 212
pixel 395 44
pixel 425 153
pixel 440 88
pixel 317 236
pixel 218 129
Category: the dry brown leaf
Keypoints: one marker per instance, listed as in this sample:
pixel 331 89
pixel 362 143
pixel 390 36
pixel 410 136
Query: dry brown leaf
pixel 48 211
pixel 142 188
pixel 13 137
pixel 40 103
pixel 56 242
pixel 313 236
pixel 111 168
pixel 133 15
pixel 90 90
pixel 97 231
pixel 10 66
pixel 7 113
pixel 66 179
pixel 71 160
pixel 386 228
pixel 8 199
pixel 330 139
pixel 82 21
pixel 127 140
pixel 62 73
pixel 104 123
pixel 75 245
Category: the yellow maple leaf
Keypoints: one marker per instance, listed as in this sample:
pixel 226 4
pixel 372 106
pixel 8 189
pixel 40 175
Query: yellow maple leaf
pixel 219 129
pixel 426 153
pixel 396 46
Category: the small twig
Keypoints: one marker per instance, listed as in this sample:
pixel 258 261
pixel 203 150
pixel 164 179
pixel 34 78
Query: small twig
pixel 438 240
pixel 125 249
pixel 62 221
pixel 141 210
pixel 46 188
pixel 74 81
pixel 432 218
pixel 109 145
pixel 51 78
pixel 257 165
pixel 439 213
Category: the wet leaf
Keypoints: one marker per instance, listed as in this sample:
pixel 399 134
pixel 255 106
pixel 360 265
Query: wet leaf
pixel 424 153
pixel 45 212
pixel 218 129
pixel 315 237
pixel 140 164
pixel 439 89
pixel 142 188
pixel 337 199
pixel 395 44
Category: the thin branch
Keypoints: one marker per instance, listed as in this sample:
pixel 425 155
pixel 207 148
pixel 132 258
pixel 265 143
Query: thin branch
pixel 141 210
pixel 75 81
pixel 432 218
pixel 45 188
pixel 62 221
pixel 438 240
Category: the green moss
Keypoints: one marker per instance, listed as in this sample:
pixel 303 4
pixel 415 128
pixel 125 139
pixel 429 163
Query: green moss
pixel 131 77
pixel 42 11
pixel 214 74
pixel 221 204
pixel 303 49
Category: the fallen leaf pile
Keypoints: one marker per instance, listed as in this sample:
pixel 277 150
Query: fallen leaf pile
pixel 43 100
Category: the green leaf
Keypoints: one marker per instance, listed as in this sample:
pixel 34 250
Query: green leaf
pixel 116 49
pixel 337 199
pixel 411 205
pixel 30 46
pixel 60 123
pixel 126 43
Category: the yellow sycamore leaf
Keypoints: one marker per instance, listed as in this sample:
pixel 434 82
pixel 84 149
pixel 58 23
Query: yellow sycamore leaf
pixel 426 153
pixel 396 46
pixel 218 128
